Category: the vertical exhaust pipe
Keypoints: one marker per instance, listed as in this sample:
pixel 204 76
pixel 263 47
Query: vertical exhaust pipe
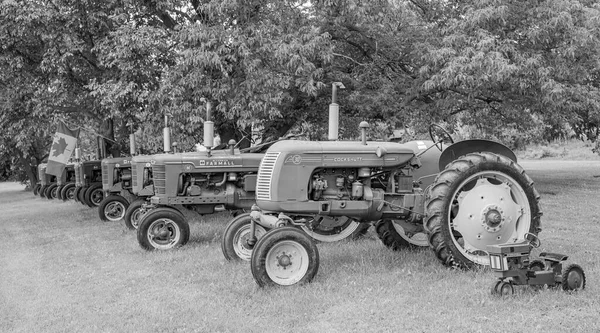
pixel 132 144
pixel 334 112
pixel 209 128
pixel 166 136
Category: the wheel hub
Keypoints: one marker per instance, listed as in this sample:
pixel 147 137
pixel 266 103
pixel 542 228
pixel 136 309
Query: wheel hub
pixel 284 260
pixel 162 233
pixel 492 218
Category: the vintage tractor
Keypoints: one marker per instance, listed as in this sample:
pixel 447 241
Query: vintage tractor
pixel 47 182
pixel 512 265
pixel 142 188
pixel 66 183
pixel 204 182
pixel 88 174
pixel 116 185
pixel 481 197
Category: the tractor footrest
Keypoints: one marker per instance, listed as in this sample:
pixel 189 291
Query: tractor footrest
pixel 555 257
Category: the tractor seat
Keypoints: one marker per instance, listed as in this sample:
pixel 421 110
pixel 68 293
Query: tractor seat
pixel 554 257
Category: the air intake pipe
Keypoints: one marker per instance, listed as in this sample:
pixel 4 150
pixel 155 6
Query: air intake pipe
pixel 334 112
pixel 209 128
pixel 166 136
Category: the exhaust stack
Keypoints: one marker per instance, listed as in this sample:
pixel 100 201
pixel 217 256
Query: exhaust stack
pixel 132 144
pixel 334 112
pixel 209 128
pixel 167 136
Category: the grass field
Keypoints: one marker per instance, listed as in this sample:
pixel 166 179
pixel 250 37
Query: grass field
pixel 63 270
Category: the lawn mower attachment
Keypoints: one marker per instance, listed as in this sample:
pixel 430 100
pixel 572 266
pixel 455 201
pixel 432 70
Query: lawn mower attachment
pixel 513 266
pixel 480 198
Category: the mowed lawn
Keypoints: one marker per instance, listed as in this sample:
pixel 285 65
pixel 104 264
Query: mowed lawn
pixel 64 270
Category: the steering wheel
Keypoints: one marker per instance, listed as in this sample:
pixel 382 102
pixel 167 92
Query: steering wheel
pixel 534 241
pixel 445 135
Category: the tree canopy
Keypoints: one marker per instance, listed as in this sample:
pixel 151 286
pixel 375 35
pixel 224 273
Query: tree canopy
pixel 504 69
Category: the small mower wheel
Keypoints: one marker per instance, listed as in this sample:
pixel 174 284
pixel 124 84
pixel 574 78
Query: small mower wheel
pixel 163 228
pixel 505 288
pixel 51 192
pixel 94 195
pixel 284 256
pixel 393 236
pixel 537 265
pixel 112 208
pixel 68 192
pixel 36 189
pixel 133 214
pixel 573 278
pixel 234 243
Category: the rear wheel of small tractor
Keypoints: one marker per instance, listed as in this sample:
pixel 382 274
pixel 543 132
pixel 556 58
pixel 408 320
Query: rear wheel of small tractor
pixel 573 278
pixel 51 192
pixel 234 243
pixel 112 208
pixel 59 192
pixel 479 199
pixel 133 214
pixel 94 195
pixel 36 189
pixel 284 256
pixel 396 237
pixel 163 228
pixel 81 195
pixel 329 229
pixel 68 192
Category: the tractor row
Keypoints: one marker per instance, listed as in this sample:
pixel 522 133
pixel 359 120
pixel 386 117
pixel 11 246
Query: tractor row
pixel 460 199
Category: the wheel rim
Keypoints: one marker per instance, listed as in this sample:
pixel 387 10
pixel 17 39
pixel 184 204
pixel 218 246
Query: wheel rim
pixel 96 197
pixel 114 211
pixel 70 194
pixel 240 240
pixel 163 234
pixel 135 217
pixel 506 289
pixel 488 208
pixel 331 229
pixel 53 192
pixel 287 263
pixel 574 279
pixel 412 234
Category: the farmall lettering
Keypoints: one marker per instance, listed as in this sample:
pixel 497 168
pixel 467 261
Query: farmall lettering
pixel 213 163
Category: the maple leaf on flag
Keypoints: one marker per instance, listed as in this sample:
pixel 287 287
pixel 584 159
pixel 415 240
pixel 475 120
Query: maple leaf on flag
pixel 59 147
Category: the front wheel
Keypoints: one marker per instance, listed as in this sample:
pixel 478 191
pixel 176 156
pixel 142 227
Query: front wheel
pixel 36 189
pixel 133 214
pixel 480 199
pixel 163 228
pixel 112 208
pixel 51 192
pixel 284 256
pixel 94 195
pixel 234 244
pixel 68 192
pixel 59 192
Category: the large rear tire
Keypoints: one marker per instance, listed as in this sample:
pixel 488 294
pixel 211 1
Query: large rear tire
pixel 397 238
pixel 94 195
pixel 234 243
pixel 163 228
pixel 284 256
pixel 112 208
pixel 329 229
pixel 480 199
pixel 133 214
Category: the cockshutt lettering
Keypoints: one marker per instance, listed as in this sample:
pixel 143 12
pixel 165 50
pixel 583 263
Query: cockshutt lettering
pixel 347 159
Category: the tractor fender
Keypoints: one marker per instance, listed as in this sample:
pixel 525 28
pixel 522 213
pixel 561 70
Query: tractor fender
pixel 461 148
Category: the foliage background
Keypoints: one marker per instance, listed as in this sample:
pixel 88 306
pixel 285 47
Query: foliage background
pixel 514 71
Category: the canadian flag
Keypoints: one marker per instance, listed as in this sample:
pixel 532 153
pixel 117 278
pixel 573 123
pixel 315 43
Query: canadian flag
pixel 63 146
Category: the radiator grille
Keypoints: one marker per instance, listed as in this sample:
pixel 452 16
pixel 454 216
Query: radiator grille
pixel 134 176
pixel 159 179
pixel 105 175
pixel 265 176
